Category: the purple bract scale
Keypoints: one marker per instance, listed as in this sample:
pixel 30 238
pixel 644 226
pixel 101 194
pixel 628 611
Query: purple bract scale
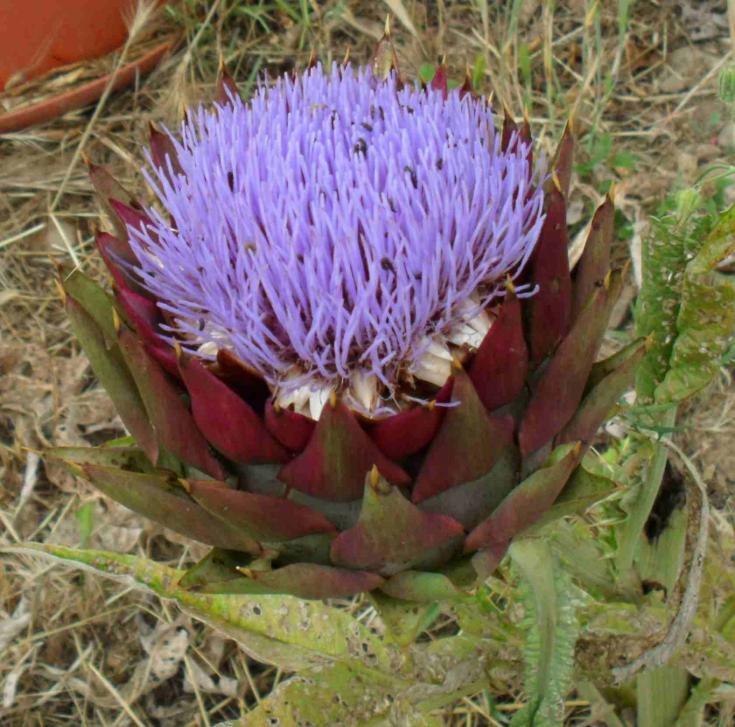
pixel 337 229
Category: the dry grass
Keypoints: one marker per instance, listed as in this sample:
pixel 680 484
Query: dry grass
pixel 79 650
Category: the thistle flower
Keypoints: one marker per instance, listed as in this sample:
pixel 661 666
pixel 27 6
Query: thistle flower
pixel 337 233
pixel 346 339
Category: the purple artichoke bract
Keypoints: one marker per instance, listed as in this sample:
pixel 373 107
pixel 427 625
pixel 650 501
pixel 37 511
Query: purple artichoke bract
pixel 346 338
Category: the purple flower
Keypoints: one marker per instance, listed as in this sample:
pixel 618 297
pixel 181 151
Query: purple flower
pixel 339 232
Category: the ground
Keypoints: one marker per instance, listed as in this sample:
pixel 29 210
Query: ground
pixel 639 80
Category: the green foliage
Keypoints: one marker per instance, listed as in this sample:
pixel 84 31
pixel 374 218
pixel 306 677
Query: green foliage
pixel 347 674
pixel 583 490
pixel 624 229
pixel 403 621
pixel 661 694
pixel 705 321
pixel 85 519
pixel 303 699
pixel 692 713
pixel 727 85
pixel 661 560
pixel 350 675
pixel 584 559
pixel 524 66
pixel 427 72
pixel 685 307
pixel 600 152
pixel 291 633
pixel 478 71
pixel 641 498
pixel 551 631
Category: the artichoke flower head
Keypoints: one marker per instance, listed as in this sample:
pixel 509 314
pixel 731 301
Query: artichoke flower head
pixel 346 339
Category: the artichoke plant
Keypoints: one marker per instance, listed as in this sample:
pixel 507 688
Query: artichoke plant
pixel 346 341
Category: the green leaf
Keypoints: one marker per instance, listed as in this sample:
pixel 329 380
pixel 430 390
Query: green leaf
pixel 719 244
pixel 124 457
pixel 685 307
pixel 551 633
pixel 642 498
pixel 464 662
pixel 336 695
pixel 403 621
pixel 427 72
pixel 583 558
pixel 704 693
pixel 671 243
pixel 93 299
pixel 661 561
pixel 420 587
pixel 109 367
pixel 598 148
pixel 604 711
pixel 624 160
pixel 661 694
pixel 706 320
pixel 614 618
pixel 85 519
pixel 582 491
pixel 524 65
pixel 478 71
pixel 291 633
pixel 124 441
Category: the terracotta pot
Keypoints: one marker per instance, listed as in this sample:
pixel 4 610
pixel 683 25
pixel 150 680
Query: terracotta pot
pixel 38 35
pixel 75 98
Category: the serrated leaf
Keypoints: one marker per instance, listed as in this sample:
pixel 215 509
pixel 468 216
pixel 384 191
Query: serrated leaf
pixel 685 308
pixel 664 256
pixel 720 244
pixel 706 318
pixel 290 633
pixel 551 633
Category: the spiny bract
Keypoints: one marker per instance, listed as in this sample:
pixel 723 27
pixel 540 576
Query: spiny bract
pixel 348 344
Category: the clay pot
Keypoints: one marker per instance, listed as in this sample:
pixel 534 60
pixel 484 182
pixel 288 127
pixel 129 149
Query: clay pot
pixel 75 98
pixel 38 35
